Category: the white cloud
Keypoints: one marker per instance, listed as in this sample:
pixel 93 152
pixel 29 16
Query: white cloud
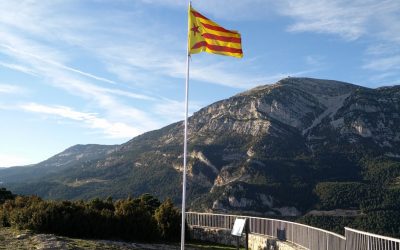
pixel 11 89
pixel 100 97
pixel 25 54
pixel 376 21
pixel 384 64
pixel 67 81
pixel 130 54
pixel 110 129
pixel 18 67
pixel 349 20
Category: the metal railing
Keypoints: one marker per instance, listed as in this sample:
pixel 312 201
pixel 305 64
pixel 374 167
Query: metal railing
pixel 302 235
pixel 296 233
pixel 359 240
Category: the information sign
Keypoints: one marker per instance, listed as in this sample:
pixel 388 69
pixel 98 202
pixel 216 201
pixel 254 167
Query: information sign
pixel 238 227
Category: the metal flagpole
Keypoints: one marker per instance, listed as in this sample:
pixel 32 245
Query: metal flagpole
pixel 185 142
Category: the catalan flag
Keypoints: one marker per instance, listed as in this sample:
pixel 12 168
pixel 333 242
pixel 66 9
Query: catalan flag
pixel 206 35
pixel 203 35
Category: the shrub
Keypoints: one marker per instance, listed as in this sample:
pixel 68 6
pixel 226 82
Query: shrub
pixel 139 219
pixel 168 221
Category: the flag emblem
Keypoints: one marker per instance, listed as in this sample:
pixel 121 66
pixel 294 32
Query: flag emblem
pixel 207 36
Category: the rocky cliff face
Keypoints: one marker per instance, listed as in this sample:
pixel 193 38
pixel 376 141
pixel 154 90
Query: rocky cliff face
pixel 263 150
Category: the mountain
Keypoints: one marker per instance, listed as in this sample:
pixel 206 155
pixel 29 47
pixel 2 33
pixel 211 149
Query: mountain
pixel 73 156
pixel 279 149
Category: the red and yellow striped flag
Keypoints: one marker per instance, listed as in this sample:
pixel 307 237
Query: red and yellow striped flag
pixel 205 35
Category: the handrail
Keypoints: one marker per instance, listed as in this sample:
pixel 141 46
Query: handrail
pixel 312 238
pixel 299 234
pixel 285 221
pixel 303 225
pixel 373 235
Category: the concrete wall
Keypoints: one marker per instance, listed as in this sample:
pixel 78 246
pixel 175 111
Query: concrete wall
pixel 221 236
pixel 256 242
pixel 263 242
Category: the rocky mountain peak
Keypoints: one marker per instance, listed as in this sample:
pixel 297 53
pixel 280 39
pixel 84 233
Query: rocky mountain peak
pixel 308 85
pixel 319 86
pixel 264 149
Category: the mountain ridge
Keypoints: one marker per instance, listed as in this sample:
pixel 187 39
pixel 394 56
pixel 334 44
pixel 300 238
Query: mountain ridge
pixel 73 155
pixel 252 151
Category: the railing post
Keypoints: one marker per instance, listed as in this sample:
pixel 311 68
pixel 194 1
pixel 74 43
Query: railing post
pixel 327 241
pixel 225 223
pixel 292 233
pixel 272 229
pixel 368 247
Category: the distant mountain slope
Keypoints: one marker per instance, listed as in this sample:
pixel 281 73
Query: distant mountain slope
pixel 275 149
pixel 73 156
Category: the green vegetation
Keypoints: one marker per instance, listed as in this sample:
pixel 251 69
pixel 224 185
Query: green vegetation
pixel 384 222
pixel 5 195
pixel 134 219
pixel 375 195
pixel 331 223
pixel 333 195
pixel 209 246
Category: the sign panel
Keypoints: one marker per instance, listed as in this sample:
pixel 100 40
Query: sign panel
pixel 238 227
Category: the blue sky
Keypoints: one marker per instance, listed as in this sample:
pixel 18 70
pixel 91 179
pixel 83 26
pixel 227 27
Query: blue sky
pixel 103 71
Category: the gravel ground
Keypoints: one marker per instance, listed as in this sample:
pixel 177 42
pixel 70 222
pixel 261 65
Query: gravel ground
pixel 12 239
